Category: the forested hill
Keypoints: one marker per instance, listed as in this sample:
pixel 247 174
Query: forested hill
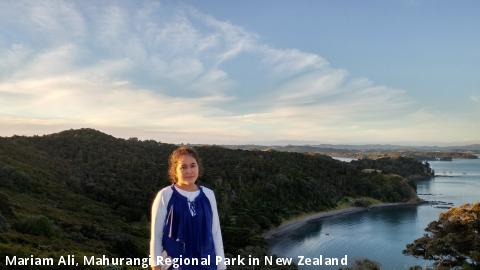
pixel 85 192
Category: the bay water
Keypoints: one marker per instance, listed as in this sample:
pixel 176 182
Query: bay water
pixel 381 234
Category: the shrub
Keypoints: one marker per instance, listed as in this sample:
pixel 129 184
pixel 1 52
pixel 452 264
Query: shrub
pixel 362 203
pixel 36 225
pixel 3 224
pixel 364 264
pixel 453 240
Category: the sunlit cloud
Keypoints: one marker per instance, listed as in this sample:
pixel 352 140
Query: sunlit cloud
pixel 170 72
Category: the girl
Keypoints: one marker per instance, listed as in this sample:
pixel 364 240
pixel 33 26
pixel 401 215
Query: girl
pixel 185 221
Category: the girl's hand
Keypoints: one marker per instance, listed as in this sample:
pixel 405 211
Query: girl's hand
pixel 165 266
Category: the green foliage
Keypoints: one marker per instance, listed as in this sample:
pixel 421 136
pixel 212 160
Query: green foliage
pixel 98 190
pixel 404 166
pixel 126 246
pixel 453 240
pixel 364 264
pixel 5 206
pixel 3 224
pixel 36 225
pixel 387 188
pixel 14 179
pixel 361 202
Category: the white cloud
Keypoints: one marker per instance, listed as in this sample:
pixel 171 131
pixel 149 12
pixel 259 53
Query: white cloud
pixel 13 58
pixel 73 99
pixel 313 85
pixel 165 71
pixel 291 61
pixel 55 60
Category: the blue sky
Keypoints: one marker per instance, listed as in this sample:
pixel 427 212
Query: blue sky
pixel 227 72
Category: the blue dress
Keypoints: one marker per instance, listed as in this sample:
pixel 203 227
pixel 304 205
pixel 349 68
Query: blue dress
pixel 188 229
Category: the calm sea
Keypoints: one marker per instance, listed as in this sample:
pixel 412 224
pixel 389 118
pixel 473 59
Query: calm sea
pixel 382 234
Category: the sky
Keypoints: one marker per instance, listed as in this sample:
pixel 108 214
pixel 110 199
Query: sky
pixel 236 72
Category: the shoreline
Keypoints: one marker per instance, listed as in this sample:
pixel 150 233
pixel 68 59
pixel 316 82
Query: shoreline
pixel 300 221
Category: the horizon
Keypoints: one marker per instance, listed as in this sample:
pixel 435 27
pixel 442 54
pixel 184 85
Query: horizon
pixel 265 144
pixel 211 72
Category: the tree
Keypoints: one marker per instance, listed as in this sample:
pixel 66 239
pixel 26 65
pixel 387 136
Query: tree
pixel 453 240
pixel 363 264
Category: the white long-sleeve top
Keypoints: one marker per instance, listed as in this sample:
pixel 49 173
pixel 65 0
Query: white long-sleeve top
pixel 159 212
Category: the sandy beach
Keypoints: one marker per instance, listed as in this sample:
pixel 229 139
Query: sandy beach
pixel 297 222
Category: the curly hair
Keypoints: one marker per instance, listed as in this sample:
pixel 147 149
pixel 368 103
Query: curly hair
pixel 175 156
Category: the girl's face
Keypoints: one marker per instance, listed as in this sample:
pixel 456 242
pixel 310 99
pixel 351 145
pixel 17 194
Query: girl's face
pixel 187 170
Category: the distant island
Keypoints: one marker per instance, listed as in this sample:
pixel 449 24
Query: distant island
pixel 422 153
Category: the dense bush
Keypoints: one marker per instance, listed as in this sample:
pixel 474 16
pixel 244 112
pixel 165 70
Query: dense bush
pixel 5 207
pixel 93 186
pixel 404 166
pixel 14 179
pixel 3 224
pixel 453 240
pixel 364 264
pixel 36 225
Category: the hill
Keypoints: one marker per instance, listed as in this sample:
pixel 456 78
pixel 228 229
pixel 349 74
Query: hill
pixel 88 193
